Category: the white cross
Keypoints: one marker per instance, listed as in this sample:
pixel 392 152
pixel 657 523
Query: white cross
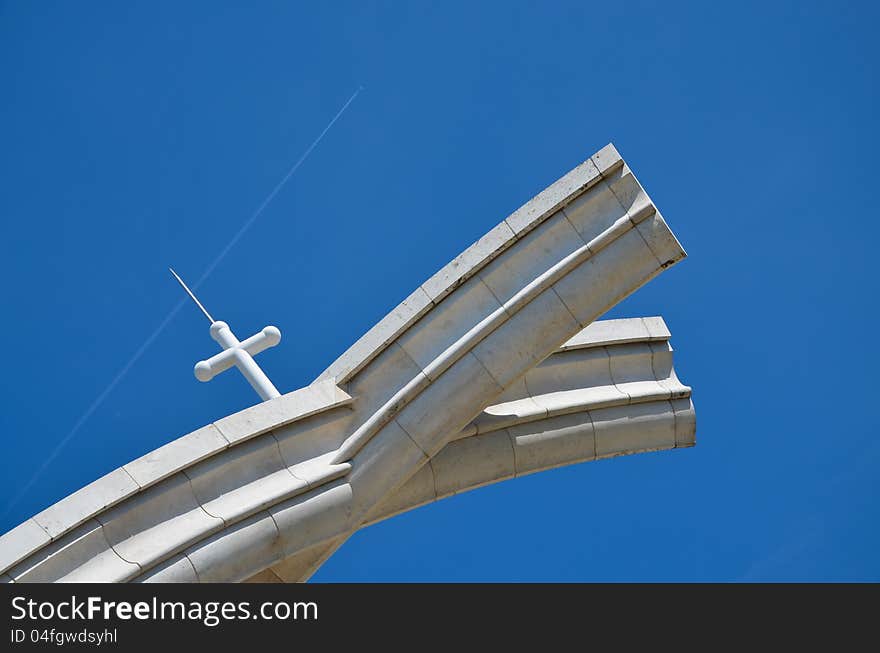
pixel 241 355
pixel 236 353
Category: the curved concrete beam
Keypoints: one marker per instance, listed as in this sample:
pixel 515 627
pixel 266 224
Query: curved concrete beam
pixel 481 460
pixel 605 393
pixel 564 258
pixel 306 469
pixel 610 391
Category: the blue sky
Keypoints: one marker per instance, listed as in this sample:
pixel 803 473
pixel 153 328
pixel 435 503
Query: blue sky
pixel 141 135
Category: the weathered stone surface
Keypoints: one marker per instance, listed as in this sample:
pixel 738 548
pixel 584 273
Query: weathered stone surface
pixel 156 523
pixel 272 414
pixel 457 387
pixel 552 442
pixel 472 462
pixel 79 556
pixel 177 454
pixel 243 480
pixel 429 338
pixel 82 504
pixel 375 340
pixel 20 542
pixel 230 555
pixel 178 569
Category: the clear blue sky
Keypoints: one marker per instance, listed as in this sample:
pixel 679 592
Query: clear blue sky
pixel 141 134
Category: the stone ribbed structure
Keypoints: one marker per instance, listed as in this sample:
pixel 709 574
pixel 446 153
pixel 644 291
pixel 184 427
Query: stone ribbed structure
pixel 493 368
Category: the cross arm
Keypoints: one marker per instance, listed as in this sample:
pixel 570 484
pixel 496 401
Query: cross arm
pixel 207 369
pixel 268 337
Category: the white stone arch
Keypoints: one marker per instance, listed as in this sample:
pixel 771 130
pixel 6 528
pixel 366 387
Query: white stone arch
pixel 454 369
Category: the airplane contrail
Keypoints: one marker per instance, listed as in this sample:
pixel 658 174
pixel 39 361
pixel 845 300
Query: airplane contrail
pixel 164 323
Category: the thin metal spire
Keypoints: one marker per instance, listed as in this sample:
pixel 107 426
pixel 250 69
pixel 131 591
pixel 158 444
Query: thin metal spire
pixel 190 293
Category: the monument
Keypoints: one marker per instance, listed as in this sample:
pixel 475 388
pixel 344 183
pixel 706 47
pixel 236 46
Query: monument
pixel 493 368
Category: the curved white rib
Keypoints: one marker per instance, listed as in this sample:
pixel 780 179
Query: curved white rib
pixel 602 395
pixel 303 471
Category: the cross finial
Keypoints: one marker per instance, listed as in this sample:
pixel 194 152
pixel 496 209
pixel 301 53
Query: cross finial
pixel 239 354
